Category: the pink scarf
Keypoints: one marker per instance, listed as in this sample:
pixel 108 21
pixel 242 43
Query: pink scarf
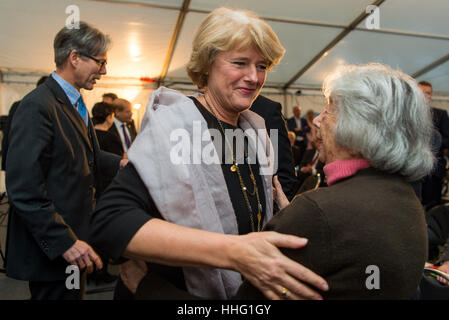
pixel 338 170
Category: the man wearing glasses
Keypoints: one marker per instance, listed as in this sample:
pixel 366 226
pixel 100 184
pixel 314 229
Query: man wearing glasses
pixel 52 169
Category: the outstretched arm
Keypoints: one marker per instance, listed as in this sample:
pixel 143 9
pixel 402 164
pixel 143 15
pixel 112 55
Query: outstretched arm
pixel 255 256
pixel 127 224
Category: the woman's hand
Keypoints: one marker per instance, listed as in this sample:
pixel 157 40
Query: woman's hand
pixel 279 195
pixel 259 260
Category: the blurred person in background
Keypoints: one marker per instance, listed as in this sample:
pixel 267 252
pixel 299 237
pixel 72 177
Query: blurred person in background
pixel 433 183
pixel 109 97
pixel 123 126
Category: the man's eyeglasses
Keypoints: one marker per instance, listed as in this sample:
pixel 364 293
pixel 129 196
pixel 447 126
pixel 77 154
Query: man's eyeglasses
pixel 101 63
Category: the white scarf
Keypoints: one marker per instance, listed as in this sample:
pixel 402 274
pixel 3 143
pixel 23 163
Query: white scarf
pixel 193 195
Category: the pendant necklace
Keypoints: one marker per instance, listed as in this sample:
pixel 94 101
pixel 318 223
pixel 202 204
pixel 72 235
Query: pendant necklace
pixel 245 191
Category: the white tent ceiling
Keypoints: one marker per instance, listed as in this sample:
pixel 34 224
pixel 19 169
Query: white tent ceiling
pixel 153 38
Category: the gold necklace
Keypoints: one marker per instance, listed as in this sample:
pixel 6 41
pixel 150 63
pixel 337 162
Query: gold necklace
pixel 235 168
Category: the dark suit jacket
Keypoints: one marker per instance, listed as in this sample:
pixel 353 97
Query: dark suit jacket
pixel 271 111
pixel 5 142
pixel 441 124
pixel 308 157
pixel 432 184
pixel 291 124
pixel 297 155
pixel 132 130
pixel 438 229
pixel 307 181
pixel 52 168
pixel 372 218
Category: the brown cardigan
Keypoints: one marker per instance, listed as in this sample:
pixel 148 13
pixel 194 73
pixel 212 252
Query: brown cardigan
pixel 372 218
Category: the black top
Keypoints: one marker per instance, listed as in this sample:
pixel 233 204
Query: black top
pixel 5 142
pixel 109 142
pixel 127 205
pixel 271 112
pixel 232 179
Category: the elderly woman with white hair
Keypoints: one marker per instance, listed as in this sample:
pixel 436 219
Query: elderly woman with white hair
pixel 193 220
pixel 367 231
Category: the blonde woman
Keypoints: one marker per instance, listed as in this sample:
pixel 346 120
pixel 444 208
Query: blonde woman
pixel 196 224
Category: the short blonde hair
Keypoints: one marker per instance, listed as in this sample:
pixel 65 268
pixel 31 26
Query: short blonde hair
pixel 226 29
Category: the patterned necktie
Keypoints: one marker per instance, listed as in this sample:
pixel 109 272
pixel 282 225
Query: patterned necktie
pixel 125 134
pixel 82 110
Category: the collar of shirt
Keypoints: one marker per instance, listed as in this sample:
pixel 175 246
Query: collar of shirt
pixel 338 170
pixel 118 122
pixel 69 90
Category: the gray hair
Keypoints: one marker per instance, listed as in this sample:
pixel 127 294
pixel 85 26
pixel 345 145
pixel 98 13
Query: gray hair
pixel 383 115
pixel 85 39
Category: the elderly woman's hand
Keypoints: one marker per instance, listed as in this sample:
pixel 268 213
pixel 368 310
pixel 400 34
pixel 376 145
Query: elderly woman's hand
pixel 279 195
pixel 276 276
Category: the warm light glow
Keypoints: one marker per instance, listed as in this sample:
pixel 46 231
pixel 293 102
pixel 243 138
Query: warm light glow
pixel 130 93
pixel 131 61
pixel 134 47
pixel 137 106
pixel 135 52
pixel 341 61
